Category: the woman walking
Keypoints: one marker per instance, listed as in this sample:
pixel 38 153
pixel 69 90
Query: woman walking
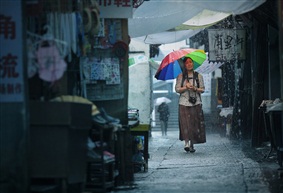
pixel 190 85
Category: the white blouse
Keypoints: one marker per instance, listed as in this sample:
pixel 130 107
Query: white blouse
pixel 184 96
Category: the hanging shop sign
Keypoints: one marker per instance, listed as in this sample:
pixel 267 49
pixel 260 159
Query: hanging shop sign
pixel 226 44
pixel 11 52
pixel 115 9
pixel 137 59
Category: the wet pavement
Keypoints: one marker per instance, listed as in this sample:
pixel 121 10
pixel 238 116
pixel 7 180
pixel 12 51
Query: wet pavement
pixel 219 165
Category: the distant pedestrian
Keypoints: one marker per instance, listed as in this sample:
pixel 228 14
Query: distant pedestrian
pixel 164 114
pixel 190 85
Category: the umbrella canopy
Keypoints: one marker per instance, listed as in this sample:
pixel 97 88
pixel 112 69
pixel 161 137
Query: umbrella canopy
pixel 160 100
pixel 170 66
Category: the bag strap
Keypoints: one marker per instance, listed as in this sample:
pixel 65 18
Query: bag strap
pixel 183 79
pixel 196 77
pixel 197 80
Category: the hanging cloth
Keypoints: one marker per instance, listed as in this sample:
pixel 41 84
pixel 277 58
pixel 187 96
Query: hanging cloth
pixel 51 66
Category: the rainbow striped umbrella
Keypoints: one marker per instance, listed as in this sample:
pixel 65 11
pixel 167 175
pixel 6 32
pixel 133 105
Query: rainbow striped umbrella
pixel 170 66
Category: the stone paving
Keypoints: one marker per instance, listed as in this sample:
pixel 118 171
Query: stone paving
pixel 219 165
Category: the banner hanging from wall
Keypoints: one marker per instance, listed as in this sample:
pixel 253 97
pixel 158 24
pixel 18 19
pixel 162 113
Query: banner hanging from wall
pixel 116 9
pixel 227 44
pixel 11 52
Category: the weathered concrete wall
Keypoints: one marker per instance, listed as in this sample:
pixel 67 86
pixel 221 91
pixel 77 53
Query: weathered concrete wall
pixel 140 90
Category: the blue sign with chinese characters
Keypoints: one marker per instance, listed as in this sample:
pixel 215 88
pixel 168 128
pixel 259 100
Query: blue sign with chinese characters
pixel 11 52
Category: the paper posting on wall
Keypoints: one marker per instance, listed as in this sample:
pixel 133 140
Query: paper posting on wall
pixel 112 74
pixel 107 69
pixel 97 70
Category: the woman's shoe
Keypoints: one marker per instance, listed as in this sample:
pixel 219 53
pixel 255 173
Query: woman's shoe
pixel 191 149
pixel 187 148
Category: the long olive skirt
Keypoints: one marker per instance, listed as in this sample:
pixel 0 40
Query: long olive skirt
pixel 191 124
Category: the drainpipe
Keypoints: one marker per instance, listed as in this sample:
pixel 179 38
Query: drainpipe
pixel 280 20
pixel 280 24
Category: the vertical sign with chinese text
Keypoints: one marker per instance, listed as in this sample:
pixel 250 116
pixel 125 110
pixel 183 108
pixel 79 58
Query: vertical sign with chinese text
pixel 227 44
pixel 11 52
pixel 115 8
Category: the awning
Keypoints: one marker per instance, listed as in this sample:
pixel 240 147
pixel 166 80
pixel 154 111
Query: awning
pixel 168 37
pixel 186 30
pixel 205 18
pixel 155 16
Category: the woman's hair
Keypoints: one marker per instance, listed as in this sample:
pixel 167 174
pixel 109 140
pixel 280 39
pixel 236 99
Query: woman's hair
pixel 185 59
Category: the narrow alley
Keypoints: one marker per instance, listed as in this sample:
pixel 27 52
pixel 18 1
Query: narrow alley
pixel 219 165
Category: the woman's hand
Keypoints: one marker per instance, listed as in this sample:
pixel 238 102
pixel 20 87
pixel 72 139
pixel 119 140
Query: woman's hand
pixel 189 86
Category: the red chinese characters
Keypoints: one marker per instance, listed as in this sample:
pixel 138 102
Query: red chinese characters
pixel 7 27
pixel 118 3
pixel 8 66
